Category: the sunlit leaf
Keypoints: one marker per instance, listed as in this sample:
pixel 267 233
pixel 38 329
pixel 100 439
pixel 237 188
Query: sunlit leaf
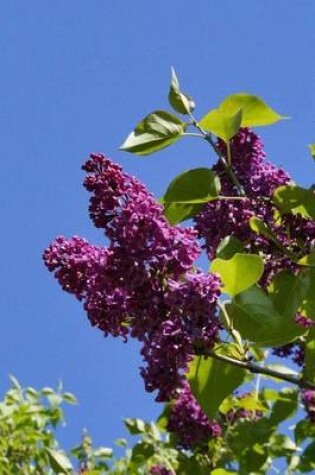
pixel 221 123
pixel 180 101
pixel 177 212
pixel 196 186
pixel 255 111
pixel 257 319
pixel 212 380
pixel 295 199
pixel 155 132
pixel 238 273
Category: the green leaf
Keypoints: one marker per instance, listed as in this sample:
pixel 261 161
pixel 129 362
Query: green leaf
pixel 103 452
pixel 59 462
pixel 295 199
pixel 288 291
pixel 259 227
pixel 312 150
pixel 284 407
pixel 238 273
pixel 229 246
pixel 69 398
pixel 257 319
pixel 309 359
pixel 211 380
pixel 222 123
pixel 196 186
pixel 155 132
pixel 180 102
pixel 255 111
pixel 141 452
pixel 308 260
pixel 303 430
pixel 177 212
pixel 135 426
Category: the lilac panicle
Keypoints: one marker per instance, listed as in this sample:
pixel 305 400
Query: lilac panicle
pixel 259 178
pixel 143 284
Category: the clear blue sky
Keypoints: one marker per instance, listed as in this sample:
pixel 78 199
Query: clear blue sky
pixel 76 76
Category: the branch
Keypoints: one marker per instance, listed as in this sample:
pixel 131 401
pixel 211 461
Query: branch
pixel 208 137
pixel 256 369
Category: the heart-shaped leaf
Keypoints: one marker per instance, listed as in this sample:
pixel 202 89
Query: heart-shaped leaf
pixel 238 273
pixel 222 123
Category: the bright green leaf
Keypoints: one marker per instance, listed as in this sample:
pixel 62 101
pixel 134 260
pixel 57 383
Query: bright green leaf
pixel 238 273
pixel 312 150
pixel 308 259
pixel 180 102
pixel 295 199
pixel 255 111
pixel 155 132
pixel 59 461
pixel 196 186
pixel 257 319
pixel 309 360
pixel 229 246
pixel 135 426
pixel 212 380
pixel 177 212
pixel 221 123
pixel 288 291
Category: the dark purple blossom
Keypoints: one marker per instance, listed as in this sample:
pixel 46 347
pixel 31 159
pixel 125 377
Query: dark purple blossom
pixel 293 350
pixel 308 399
pixel 160 470
pixel 143 284
pixel 259 179
pixel 304 321
pixel 189 422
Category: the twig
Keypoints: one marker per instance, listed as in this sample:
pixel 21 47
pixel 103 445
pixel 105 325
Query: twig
pixel 256 369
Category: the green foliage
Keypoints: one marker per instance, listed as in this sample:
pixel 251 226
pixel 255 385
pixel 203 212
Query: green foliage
pixel 238 273
pixel 155 132
pixel 255 112
pixel 212 380
pixel 193 187
pixel 295 199
pixel 312 150
pixel 180 102
pixel 222 123
pixel 179 212
pixel 28 419
pixel 257 319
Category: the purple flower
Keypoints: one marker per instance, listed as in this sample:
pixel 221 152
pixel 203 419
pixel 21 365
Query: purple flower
pixel 259 179
pixel 143 284
pixel 160 470
pixel 308 399
pixel 189 422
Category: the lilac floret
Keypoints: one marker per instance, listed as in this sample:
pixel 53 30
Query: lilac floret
pixel 189 422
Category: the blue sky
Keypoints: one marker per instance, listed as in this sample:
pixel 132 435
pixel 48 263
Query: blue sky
pixel 76 77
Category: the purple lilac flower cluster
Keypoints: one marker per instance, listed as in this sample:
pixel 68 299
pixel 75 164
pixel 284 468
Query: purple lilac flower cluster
pixel 143 284
pixel 240 413
pixel 259 179
pixel 160 470
pixel 308 399
pixel 189 422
